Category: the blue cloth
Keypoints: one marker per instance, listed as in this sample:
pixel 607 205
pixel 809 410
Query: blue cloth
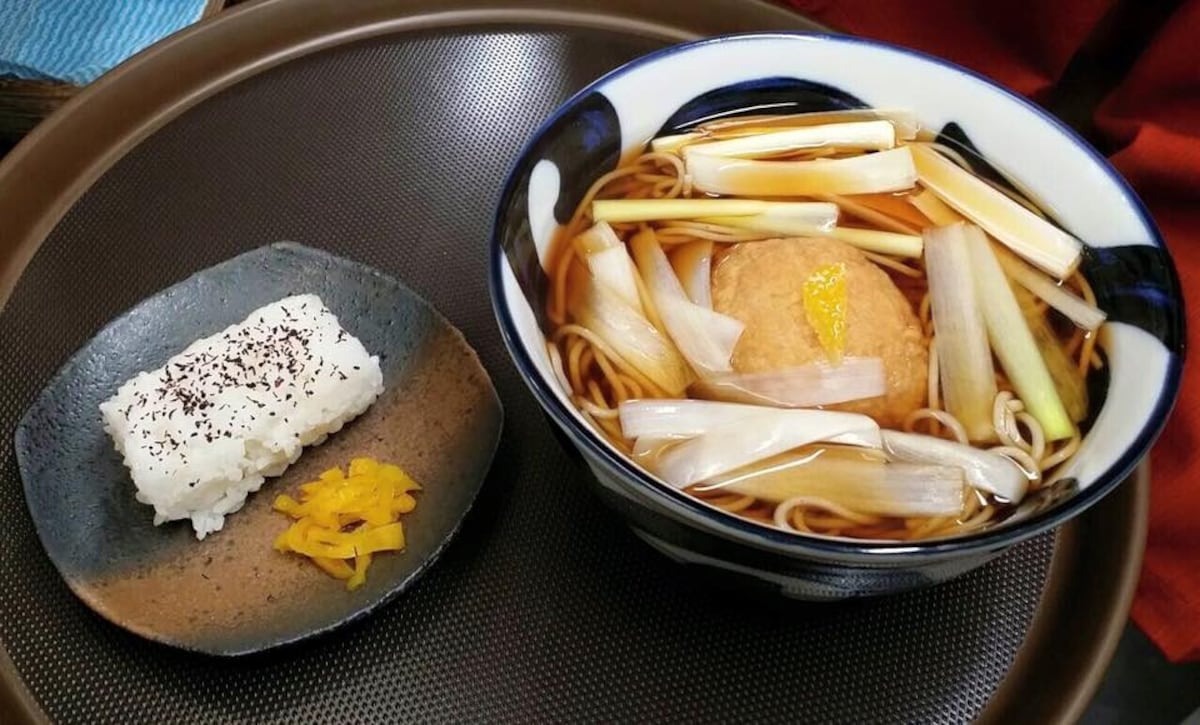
pixel 77 40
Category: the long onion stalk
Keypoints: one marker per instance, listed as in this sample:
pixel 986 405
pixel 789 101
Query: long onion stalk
pixel 869 240
pixel 704 337
pixel 881 171
pixel 964 357
pixel 1027 234
pixel 856 479
pixel 859 136
pixel 617 211
pixel 1012 340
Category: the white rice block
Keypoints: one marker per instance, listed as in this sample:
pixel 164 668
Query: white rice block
pixel 202 432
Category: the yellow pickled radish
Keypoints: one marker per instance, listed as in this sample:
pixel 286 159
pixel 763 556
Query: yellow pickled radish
pixel 348 516
pixel 336 568
pixel 825 308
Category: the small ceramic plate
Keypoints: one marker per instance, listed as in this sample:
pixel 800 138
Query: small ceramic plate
pixel 438 418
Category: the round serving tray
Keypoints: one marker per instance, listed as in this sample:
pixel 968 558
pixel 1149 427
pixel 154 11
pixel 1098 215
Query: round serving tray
pixel 382 131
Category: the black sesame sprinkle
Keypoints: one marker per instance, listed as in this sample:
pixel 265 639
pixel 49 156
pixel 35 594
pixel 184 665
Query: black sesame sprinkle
pixel 276 357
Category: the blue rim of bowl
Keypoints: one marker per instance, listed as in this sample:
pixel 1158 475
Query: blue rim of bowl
pixel 793 542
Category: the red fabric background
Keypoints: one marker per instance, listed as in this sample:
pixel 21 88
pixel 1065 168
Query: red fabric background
pixel 1023 44
pixel 1152 120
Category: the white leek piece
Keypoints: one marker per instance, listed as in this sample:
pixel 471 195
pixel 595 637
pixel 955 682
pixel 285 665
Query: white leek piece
pixel 603 311
pixel 673 419
pixel 693 265
pixel 985 471
pixel 649 210
pixel 1012 340
pixel 778 226
pixel 1068 378
pixel 766 432
pixel 967 377
pixel 872 240
pixel 881 171
pixel 1022 231
pixel 664 420
pixel 856 208
pixel 646 450
pixel 904 121
pixel 861 135
pixel 613 268
pixel 820 220
pixel 706 338
pixel 674 142
pixel 934 208
pixel 1071 305
pixel 803 386
pixel 852 478
pixel 597 238
pixel 868 240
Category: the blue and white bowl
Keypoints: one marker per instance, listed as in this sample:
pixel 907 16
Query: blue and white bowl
pixel 671 90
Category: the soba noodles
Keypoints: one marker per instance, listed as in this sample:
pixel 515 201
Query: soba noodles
pixel 671 319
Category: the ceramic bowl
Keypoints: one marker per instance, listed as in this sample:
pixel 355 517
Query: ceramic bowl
pixel 674 89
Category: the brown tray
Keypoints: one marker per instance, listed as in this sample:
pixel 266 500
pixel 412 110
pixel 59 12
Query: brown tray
pixel 546 608
pixel 24 103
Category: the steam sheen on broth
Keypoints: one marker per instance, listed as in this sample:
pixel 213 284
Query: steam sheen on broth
pixel 826 323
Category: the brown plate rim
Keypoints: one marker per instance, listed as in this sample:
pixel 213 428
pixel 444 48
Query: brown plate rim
pixel 50 169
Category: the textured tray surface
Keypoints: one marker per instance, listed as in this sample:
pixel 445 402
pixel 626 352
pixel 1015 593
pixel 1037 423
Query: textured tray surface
pixel 391 152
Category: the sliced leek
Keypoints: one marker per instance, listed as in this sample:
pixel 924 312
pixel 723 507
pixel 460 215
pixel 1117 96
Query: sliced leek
pixel 985 471
pixel 1022 231
pixel 674 142
pixel 649 210
pixel 1068 378
pixel 706 338
pixel 967 377
pixel 868 240
pixel 934 208
pixel 1012 340
pixel 802 386
pixel 873 240
pixel 613 268
pixel 639 344
pixel 1073 307
pixel 861 136
pixel 597 238
pixel 904 121
pixel 881 171
pixel 852 206
pixel 675 419
pixel 692 263
pixel 747 436
pixel 856 479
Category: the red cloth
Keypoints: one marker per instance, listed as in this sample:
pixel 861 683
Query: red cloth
pixel 1152 119
pixel 1155 117
pixel 1022 44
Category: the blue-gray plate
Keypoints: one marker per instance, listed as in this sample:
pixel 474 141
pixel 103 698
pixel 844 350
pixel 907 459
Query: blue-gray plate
pixel 439 418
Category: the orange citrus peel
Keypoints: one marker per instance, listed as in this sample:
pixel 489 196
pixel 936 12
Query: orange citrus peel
pixel 825 308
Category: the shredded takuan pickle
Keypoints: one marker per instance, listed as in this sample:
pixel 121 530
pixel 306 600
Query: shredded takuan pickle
pixel 342 519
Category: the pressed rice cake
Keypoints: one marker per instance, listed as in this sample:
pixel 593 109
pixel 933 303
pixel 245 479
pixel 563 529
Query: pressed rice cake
pixel 203 431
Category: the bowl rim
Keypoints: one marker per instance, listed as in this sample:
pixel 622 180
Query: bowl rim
pixel 729 526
